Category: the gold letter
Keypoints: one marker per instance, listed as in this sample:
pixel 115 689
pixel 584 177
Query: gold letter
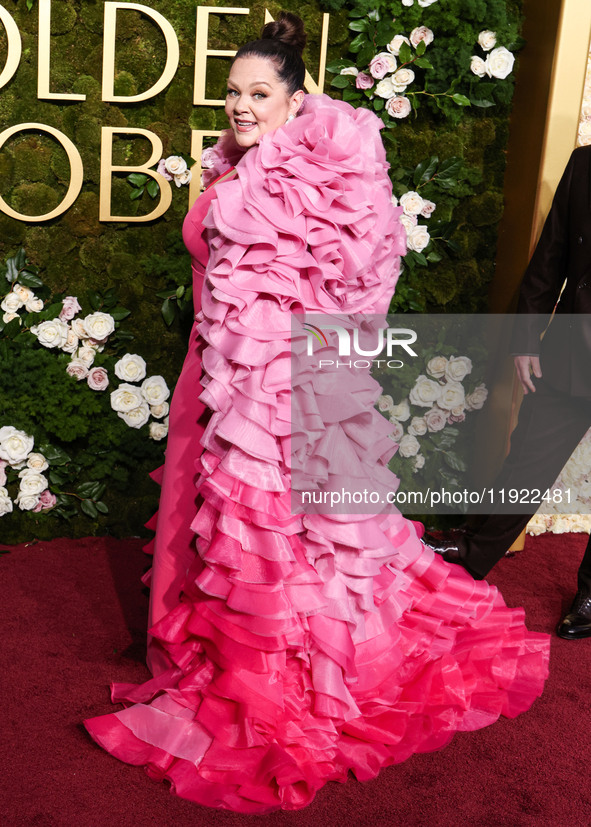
pixel 201 51
pixel 76 172
pixel 172 53
pixel 310 83
pixel 107 168
pixel 197 136
pixel 44 58
pixel 15 47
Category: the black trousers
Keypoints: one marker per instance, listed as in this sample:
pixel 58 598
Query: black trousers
pixel 550 426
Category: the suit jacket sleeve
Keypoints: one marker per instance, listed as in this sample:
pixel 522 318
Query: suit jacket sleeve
pixel 547 270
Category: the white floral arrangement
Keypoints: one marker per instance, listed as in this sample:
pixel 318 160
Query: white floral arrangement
pixel 498 62
pixel 83 338
pixel 441 391
pixel 17 455
pixel 414 207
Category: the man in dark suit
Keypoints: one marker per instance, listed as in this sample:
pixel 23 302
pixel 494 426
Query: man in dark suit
pixel 555 374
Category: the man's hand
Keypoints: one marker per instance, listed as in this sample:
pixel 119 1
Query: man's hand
pixel 525 367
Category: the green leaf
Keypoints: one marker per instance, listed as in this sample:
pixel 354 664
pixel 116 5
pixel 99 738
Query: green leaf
pixel 94 299
pixel 358 42
pixel 365 54
pixel 100 506
pixel 423 63
pixel 93 489
pixel 359 25
pixel 119 313
pixel 153 188
pixel 180 291
pixel 379 104
pixel 405 53
pixel 28 279
pixel 461 100
pixel 12 329
pixel 340 81
pixel 481 102
pixel 425 170
pixel 53 454
pixel 351 94
pixel 454 461
pixel 168 311
pixel 385 31
pixel 420 48
pixel 433 257
pixel 336 65
pixel 137 179
pixel 135 194
pixel 89 508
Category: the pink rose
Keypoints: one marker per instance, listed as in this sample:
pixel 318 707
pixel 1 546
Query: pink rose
pixel 47 500
pixel 453 418
pixel 98 379
pixel 207 158
pixel 428 209
pixel 435 419
pixel 398 107
pixel 364 81
pixel 70 307
pixel 77 369
pixel 381 64
pixel 421 33
pixel 163 171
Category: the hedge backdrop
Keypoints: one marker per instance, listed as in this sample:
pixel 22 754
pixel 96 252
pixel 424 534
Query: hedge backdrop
pixel 77 254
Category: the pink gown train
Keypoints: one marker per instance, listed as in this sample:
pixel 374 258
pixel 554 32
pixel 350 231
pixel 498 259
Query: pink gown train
pixel 288 649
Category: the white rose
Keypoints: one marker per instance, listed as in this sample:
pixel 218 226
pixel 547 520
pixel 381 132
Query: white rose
pixel 476 399
pixel 27 502
pixel 15 446
pixel 418 462
pixel 428 209
pixel 24 293
pixel 411 202
pixel 394 200
pixel 155 390
pixel 584 136
pixel 425 392
pixel 407 2
pixel 418 426
pixel 385 403
pixel 5 502
pixel 499 63
pixel 385 88
pixel 399 107
pixel 158 430
pixel 409 446
pixel 395 44
pixel 34 305
pixel 159 411
pixel 487 39
pixel 175 165
pixel 397 431
pixel 421 33
pixel 31 483
pixel 409 222
pixel 477 66
pixel 37 462
pixel 136 417
pixel 99 325
pixel 79 329
pixel 436 366
pixel 11 303
pixel 183 178
pixel 402 78
pixel 419 238
pixel 458 368
pixel 52 333
pixel 77 368
pixel 8 317
pixel 435 420
pixel 130 368
pixel 86 354
pixel 96 345
pixel 349 70
pixel 452 396
pixel 127 398
pixel 425 3
pixel 401 412
pixel 71 343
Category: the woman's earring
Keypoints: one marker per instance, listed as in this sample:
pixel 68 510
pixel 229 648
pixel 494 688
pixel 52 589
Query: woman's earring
pixel 290 118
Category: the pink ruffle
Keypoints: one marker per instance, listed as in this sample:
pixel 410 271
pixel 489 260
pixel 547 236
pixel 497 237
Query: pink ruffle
pixel 305 646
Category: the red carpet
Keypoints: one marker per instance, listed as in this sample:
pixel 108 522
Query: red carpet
pixel 73 619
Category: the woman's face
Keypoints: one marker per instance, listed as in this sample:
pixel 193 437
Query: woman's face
pixel 257 101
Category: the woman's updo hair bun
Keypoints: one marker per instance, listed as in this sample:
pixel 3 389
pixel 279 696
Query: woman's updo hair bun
pixel 282 42
pixel 288 29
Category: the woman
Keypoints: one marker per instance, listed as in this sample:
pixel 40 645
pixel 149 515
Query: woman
pixel 289 648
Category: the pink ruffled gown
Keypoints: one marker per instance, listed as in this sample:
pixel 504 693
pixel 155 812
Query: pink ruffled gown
pixel 288 649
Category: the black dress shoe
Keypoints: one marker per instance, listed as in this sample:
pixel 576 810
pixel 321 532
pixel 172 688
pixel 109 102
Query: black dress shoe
pixel 577 623
pixel 448 544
